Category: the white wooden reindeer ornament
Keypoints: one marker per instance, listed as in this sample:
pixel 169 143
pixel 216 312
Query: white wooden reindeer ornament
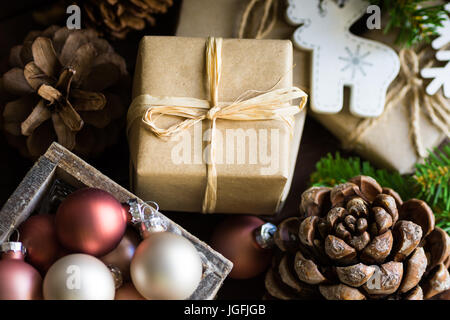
pixel 342 59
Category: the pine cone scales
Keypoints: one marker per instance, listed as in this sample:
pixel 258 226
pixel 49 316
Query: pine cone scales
pixel 59 87
pixel 118 18
pixel 359 241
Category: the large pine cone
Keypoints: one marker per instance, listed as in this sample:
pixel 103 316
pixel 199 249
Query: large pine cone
pixel 117 18
pixel 359 241
pixel 63 86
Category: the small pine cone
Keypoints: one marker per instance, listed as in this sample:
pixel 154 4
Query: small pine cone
pixel 359 241
pixel 64 86
pixel 117 18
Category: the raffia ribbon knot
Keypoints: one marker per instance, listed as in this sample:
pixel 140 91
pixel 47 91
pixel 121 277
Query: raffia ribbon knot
pixel 268 105
pixel 211 114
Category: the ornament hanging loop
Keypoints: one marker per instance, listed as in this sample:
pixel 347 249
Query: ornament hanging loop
pixel 15 231
pixel 151 221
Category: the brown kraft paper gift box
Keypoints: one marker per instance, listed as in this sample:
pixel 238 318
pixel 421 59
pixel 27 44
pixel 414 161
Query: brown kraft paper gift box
pixel 254 171
pixel 387 144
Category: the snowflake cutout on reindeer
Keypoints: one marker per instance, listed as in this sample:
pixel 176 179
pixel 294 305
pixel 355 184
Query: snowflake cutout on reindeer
pixel 355 61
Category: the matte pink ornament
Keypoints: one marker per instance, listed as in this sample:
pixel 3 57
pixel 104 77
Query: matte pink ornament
pixel 90 221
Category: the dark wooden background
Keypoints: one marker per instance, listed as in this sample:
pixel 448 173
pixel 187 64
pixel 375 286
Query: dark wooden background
pixel 16 21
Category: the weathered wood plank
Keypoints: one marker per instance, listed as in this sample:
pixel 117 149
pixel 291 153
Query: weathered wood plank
pixel 26 197
pixel 59 162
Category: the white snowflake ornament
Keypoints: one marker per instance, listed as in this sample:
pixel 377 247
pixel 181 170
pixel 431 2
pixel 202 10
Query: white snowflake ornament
pixel 440 76
pixel 443 31
pixel 341 58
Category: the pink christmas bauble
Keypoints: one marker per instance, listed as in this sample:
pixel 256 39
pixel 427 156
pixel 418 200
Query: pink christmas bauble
pixel 234 238
pixel 90 221
pixel 18 279
pixel 38 235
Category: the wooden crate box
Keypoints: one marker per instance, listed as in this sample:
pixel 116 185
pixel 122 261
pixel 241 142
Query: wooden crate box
pixel 59 163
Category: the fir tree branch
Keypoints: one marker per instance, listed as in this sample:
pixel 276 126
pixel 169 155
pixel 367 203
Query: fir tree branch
pixel 416 20
pixel 431 181
pixel 334 170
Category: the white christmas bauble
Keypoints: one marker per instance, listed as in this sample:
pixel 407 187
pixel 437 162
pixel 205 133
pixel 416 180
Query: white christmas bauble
pixel 166 266
pixel 78 277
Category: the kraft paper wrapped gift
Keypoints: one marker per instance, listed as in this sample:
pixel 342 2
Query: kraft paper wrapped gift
pixel 386 144
pixel 254 173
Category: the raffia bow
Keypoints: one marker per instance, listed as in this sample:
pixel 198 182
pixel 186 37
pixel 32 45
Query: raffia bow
pixel 270 105
pixel 410 85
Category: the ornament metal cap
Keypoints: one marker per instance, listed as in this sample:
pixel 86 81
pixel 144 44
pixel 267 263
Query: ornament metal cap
pixel 134 211
pixel 117 275
pixel 264 235
pixel 13 246
pixel 146 217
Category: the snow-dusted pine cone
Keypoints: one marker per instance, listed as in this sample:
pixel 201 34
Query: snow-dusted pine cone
pixel 359 241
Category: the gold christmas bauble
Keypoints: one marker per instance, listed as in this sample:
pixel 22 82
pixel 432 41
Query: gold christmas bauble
pixel 166 266
pixel 128 292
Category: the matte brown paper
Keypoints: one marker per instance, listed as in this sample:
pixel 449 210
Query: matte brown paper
pixel 387 144
pixel 253 157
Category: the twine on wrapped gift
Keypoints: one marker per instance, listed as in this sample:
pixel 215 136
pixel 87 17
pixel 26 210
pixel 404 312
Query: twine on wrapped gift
pixel 410 85
pixel 273 104
pixel 267 21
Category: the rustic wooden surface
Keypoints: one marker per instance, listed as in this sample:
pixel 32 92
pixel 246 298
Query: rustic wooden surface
pixel 316 142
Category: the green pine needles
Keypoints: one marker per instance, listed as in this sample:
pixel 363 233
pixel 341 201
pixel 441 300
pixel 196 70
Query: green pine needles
pixel 415 20
pixel 433 183
pixel 430 182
